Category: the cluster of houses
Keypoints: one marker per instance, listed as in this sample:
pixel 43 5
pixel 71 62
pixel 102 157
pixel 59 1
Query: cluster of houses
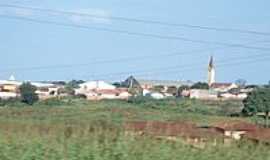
pixel 10 89
pixel 157 89
pixel 98 90
pixel 219 91
pixel 92 90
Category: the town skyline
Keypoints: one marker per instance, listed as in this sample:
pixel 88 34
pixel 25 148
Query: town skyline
pixel 211 78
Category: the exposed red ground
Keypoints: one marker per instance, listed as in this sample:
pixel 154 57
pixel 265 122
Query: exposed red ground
pixel 190 130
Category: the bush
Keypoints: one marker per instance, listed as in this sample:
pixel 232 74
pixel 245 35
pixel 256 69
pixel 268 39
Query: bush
pixel 28 93
pixel 62 101
pixel 139 99
pixel 10 102
pixel 200 85
pixel 51 102
pixel 258 101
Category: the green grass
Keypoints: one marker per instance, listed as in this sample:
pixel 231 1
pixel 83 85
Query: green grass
pixel 75 129
pixel 108 145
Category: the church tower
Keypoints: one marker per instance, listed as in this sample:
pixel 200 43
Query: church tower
pixel 211 72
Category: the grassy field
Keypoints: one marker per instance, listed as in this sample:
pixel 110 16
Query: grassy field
pixel 75 129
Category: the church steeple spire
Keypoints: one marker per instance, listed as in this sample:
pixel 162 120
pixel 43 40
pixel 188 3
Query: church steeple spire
pixel 211 71
pixel 211 62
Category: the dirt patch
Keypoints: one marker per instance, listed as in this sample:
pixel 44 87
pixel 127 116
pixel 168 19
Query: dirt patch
pixel 181 129
pixel 237 126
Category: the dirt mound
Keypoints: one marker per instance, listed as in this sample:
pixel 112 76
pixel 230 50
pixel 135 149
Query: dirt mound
pixel 237 126
pixel 261 135
pixel 183 129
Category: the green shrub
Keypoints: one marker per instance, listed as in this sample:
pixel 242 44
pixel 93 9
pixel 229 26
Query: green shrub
pixel 28 93
pixel 52 102
pixel 10 102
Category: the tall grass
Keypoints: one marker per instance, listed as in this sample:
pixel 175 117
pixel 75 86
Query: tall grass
pixel 79 130
pixel 82 142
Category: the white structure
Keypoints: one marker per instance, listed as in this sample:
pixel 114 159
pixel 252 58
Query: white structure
pixel 94 85
pixel 223 87
pixel 46 90
pixel 146 92
pixel 97 90
pixel 10 89
pixel 211 72
pixel 157 95
pixel 240 96
pixel 8 82
pixel 203 94
pixel 8 95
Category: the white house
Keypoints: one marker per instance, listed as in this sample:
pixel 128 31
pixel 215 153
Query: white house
pixel 97 90
pixel 46 90
pixel 9 88
pixel 94 85
pixel 7 95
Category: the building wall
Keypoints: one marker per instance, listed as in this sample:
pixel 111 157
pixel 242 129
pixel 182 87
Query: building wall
pixel 9 88
pixel 7 95
pixel 202 94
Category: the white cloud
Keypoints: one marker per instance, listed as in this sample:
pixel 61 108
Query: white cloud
pixel 23 12
pixel 16 12
pixel 95 16
pixel 84 16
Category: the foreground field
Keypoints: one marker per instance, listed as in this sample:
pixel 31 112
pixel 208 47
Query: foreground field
pixel 76 129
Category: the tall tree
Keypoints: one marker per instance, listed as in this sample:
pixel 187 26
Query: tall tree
pixel 74 83
pixel 200 85
pixel 258 101
pixel 28 93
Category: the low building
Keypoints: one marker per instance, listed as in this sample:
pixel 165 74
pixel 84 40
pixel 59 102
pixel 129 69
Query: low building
pixel 230 96
pixel 46 90
pixel 9 89
pixel 107 94
pixel 223 87
pixel 98 90
pixel 9 86
pixel 8 95
pixel 203 94
pixel 149 84
pixel 86 87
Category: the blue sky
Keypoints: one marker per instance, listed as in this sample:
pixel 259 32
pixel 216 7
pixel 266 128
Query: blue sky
pixel 25 46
